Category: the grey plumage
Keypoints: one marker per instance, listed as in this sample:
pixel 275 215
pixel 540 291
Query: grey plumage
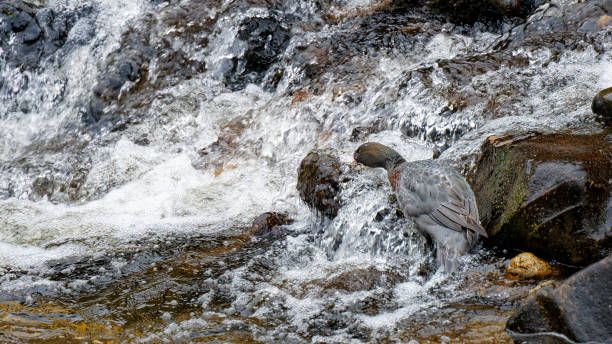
pixel 437 198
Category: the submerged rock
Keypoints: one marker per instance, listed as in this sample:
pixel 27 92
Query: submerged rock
pixel 602 105
pixel 319 182
pixel 548 194
pixel 57 172
pixel 266 39
pixel 268 223
pixel 579 309
pixel 527 265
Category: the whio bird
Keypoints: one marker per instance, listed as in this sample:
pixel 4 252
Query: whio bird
pixel 437 198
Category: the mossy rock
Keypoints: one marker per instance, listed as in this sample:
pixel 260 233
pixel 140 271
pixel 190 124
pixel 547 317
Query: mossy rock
pixel 547 194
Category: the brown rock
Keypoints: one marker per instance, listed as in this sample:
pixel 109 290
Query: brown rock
pixel 579 309
pixel 602 105
pixel 360 133
pixel 527 265
pixel 319 182
pixel 268 223
pixel 548 194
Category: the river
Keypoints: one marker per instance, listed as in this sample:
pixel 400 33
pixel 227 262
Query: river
pixel 126 221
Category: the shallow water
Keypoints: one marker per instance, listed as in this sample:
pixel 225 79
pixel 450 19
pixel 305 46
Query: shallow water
pixel 139 231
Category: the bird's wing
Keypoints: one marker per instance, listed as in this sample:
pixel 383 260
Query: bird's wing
pixel 457 215
pixel 459 210
pixel 440 193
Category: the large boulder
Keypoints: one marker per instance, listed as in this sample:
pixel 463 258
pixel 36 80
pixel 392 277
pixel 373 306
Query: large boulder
pixel 319 182
pixel 580 309
pixel 547 194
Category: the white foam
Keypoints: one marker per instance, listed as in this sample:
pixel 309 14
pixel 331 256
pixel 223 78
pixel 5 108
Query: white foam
pixel 407 295
pixel 172 194
pixel 28 256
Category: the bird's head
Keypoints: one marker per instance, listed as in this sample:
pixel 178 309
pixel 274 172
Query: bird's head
pixel 373 154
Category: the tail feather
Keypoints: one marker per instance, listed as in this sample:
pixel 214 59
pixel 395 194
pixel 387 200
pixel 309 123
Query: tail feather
pixel 476 227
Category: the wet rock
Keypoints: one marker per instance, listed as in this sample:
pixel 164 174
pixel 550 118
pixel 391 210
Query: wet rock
pixel 319 182
pixel 360 133
pixel 344 56
pixel 547 194
pixel 56 171
pixel 227 144
pixel 127 66
pixel 461 70
pixel 269 223
pixel 128 82
pixel 361 279
pixel 124 66
pixel 469 11
pixel 491 84
pixel 266 39
pixel 560 16
pixel 579 308
pixel 527 265
pixel 556 28
pixel 20 24
pixel 29 35
pixel 602 105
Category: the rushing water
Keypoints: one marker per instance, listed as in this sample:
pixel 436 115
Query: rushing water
pixel 135 231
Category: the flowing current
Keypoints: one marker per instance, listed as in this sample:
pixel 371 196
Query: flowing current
pixel 134 157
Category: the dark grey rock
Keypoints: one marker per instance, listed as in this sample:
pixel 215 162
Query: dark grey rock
pixel 266 39
pixel 29 35
pixel 469 11
pixel 360 133
pixel 559 17
pixel 579 309
pixel 126 83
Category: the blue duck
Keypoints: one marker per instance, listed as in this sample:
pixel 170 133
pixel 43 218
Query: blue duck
pixel 436 197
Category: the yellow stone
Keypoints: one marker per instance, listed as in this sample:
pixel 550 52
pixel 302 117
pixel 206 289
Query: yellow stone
pixel 527 265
